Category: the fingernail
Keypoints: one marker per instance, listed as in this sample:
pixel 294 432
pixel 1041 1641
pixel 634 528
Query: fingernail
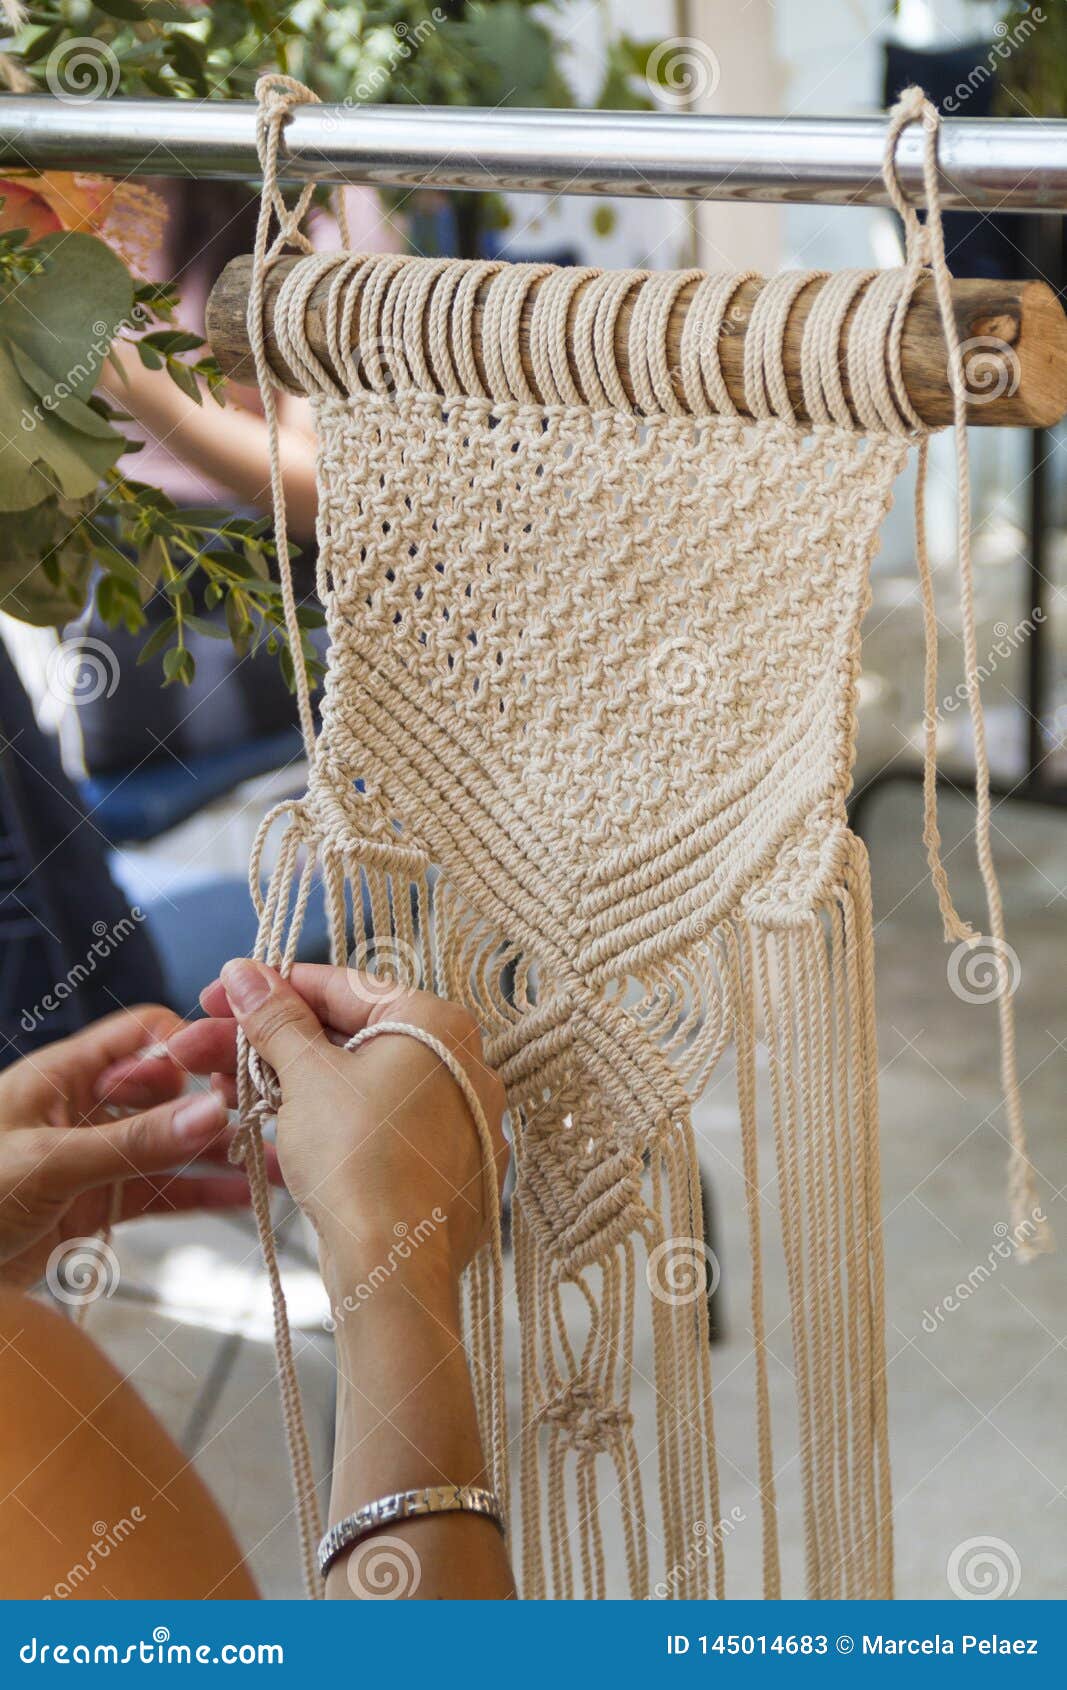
pixel 246 985
pixel 117 1072
pixel 204 990
pixel 199 1116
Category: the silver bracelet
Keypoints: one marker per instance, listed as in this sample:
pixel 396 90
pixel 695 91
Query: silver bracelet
pixel 406 1505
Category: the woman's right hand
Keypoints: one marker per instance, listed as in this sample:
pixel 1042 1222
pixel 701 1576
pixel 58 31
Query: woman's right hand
pixel 373 1143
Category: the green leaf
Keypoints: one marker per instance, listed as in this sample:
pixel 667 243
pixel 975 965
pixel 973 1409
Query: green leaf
pixel 133 11
pixel 513 50
pixel 46 599
pixel 43 43
pixel 179 664
pixel 186 54
pixel 55 400
pixel 210 630
pixel 208 517
pixel 65 317
pixel 239 623
pixel 169 341
pixel 182 377
pixel 157 640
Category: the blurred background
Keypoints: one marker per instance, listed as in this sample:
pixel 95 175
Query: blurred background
pixel 130 789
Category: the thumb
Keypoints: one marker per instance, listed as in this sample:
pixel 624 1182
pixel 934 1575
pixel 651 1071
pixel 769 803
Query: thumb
pixel 276 1021
pixel 150 1143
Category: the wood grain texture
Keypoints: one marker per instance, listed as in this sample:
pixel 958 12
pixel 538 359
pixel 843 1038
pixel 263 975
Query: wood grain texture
pixel 1013 334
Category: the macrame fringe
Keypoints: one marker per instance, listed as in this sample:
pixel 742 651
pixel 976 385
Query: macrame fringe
pixel 806 988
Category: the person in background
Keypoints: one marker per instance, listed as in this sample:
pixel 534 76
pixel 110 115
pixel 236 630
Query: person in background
pixel 202 455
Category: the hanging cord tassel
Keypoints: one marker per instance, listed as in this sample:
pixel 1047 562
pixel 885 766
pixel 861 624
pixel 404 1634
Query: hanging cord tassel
pixel 925 248
pixel 257 1089
pixel 277 95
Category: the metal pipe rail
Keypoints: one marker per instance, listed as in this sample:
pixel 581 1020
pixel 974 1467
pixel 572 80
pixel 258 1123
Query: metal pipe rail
pixel 1018 164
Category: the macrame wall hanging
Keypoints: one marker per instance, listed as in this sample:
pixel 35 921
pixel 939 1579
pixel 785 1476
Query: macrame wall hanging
pixel 586 740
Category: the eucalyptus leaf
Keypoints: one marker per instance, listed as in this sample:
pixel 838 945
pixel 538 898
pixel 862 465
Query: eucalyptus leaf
pixel 57 402
pixel 65 316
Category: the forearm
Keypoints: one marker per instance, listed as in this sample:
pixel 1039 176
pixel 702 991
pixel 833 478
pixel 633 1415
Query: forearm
pixel 228 446
pixel 406 1419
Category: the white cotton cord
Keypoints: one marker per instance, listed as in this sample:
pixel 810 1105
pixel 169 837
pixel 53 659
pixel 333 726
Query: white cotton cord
pixel 277 95
pixel 927 244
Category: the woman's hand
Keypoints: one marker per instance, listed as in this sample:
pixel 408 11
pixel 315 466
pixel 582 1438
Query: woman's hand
pixel 378 1147
pixel 372 1143
pixel 62 1152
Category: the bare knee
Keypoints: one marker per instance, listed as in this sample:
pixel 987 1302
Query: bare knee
pixel 94 1493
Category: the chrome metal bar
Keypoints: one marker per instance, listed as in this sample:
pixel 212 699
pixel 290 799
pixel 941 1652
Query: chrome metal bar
pixel 1016 163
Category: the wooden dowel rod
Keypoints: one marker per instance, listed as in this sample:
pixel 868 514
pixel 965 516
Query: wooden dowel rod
pixel 1013 334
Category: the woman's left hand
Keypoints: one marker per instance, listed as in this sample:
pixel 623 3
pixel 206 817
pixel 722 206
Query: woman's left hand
pixel 68 1167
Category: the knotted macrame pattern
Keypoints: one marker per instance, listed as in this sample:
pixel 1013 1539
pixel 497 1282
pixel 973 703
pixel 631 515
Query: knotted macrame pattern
pixel 586 739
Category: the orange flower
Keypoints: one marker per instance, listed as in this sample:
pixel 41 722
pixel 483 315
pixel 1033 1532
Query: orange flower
pixel 127 215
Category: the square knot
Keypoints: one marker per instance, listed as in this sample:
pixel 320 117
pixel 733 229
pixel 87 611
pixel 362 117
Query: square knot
pixel 584 1419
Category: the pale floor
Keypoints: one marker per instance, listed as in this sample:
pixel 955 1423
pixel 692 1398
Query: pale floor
pixel 976 1404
